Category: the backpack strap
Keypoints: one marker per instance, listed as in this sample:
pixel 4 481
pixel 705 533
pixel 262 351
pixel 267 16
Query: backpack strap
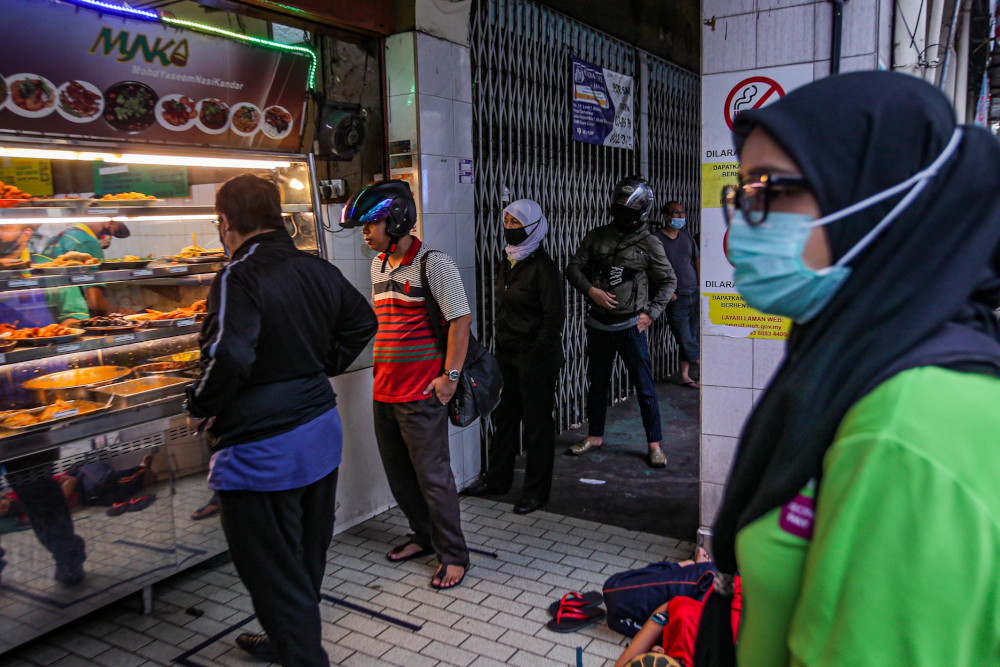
pixel 433 309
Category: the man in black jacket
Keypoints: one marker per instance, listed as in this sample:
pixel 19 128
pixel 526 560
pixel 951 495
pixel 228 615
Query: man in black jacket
pixel 279 322
pixel 624 272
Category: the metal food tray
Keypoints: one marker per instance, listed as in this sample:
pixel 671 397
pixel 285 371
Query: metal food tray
pixel 203 259
pixel 65 270
pixel 69 413
pixel 45 340
pixel 173 322
pixel 112 264
pixel 142 390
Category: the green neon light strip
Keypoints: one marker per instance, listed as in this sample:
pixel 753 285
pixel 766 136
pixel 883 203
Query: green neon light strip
pixel 253 40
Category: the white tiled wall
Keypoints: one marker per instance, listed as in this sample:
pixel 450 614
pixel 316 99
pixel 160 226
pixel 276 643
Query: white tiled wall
pixel 746 35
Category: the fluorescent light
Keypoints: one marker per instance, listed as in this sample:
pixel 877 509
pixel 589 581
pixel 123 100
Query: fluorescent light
pixel 154 218
pixel 114 158
pixel 47 154
pixel 53 221
pixel 190 161
pixel 296 184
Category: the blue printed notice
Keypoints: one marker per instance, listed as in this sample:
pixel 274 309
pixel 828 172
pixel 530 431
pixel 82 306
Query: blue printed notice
pixel 602 105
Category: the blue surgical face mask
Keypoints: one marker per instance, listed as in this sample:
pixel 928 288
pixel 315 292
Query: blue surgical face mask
pixel 770 273
pixel 678 223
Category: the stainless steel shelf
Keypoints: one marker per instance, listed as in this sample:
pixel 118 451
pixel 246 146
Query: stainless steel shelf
pixel 90 343
pixel 75 209
pixel 18 280
pixel 17 444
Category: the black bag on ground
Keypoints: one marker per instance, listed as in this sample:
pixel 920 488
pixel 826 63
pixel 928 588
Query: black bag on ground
pixel 480 383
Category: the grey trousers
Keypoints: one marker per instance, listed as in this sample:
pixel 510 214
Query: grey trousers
pixel 413 442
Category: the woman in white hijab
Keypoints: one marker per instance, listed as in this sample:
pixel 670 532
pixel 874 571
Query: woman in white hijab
pixel 530 314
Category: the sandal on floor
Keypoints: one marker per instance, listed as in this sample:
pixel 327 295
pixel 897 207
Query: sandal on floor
pixel 690 384
pixel 399 548
pixel 580 601
pixel 442 569
pixel 205 511
pixel 583 447
pixel 572 620
pixel 657 459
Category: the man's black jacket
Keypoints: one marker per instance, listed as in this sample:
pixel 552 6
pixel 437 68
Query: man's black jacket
pixel 279 322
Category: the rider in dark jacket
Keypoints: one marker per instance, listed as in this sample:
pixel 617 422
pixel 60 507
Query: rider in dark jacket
pixel 624 271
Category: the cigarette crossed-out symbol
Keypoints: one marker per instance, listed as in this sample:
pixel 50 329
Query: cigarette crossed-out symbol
pixel 751 93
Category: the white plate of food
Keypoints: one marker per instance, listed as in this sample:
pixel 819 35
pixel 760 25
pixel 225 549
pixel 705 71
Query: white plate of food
pixel 30 95
pixel 277 122
pixel 79 101
pixel 213 116
pixel 41 335
pixel 176 112
pixel 246 119
pixel 3 92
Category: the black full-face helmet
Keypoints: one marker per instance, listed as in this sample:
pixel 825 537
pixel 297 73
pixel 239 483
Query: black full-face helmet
pixel 631 202
pixel 389 200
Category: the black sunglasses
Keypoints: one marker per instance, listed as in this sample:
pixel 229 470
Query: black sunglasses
pixel 754 197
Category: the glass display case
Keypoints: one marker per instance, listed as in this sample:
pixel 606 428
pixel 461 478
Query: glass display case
pixel 103 289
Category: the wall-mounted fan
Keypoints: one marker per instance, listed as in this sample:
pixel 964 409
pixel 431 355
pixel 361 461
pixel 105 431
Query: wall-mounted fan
pixel 341 131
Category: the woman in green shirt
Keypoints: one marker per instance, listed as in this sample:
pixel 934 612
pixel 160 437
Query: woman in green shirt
pixel 863 511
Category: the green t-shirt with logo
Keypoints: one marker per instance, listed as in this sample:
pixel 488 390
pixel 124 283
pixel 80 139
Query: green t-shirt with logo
pixel 900 563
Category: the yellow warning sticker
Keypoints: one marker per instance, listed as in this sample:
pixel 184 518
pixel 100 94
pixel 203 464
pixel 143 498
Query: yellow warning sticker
pixel 732 311
pixel 714 175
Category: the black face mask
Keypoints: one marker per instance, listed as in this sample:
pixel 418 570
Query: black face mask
pixel 515 236
pixel 624 218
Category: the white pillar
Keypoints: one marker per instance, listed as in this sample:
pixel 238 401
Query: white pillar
pixel 910 38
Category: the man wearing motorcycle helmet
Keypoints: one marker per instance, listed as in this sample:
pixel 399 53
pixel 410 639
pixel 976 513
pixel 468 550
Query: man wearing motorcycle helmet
pixel 622 269
pixel 414 380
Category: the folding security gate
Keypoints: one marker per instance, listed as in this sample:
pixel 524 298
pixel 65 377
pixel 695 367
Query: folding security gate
pixel 520 54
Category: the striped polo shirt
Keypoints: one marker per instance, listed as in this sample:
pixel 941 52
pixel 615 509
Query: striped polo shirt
pixel 406 357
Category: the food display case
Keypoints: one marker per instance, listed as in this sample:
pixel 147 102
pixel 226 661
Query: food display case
pixel 102 297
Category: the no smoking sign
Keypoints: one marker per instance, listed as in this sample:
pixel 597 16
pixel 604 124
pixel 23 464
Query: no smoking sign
pixel 752 93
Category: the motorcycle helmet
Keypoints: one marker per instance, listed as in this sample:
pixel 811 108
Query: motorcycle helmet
pixel 389 200
pixel 631 203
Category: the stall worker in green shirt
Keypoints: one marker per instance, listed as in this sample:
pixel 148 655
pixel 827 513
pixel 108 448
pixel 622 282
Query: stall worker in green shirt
pixel 86 237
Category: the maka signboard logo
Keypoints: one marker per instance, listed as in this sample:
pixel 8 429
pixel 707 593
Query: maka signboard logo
pixel 166 53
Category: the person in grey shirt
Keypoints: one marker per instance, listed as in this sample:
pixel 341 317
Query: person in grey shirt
pixel 683 309
pixel 624 272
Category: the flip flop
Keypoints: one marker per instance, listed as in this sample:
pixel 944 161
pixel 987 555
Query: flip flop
pixel 399 547
pixel 140 503
pixel 118 509
pixel 690 384
pixel 442 568
pixel 204 512
pixel 571 620
pixel 582 601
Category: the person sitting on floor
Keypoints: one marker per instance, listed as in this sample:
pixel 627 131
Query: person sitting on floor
pixel 667 638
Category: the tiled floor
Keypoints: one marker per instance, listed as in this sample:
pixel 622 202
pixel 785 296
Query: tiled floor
pixel 496 617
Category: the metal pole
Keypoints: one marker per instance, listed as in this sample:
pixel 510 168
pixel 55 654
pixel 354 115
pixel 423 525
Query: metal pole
pixel 947 44
pixel 838 32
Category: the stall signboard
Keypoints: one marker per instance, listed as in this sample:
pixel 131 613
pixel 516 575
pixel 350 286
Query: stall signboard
pixel 28 174
pixel 72 71
pixel 602 102
pixel 724 97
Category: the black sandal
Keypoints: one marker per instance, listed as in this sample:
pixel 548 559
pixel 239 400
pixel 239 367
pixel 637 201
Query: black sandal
pixel 399 548
pixel 441 571
pixel 585 602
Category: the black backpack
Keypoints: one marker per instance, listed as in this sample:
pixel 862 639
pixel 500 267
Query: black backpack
pixel 481 382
